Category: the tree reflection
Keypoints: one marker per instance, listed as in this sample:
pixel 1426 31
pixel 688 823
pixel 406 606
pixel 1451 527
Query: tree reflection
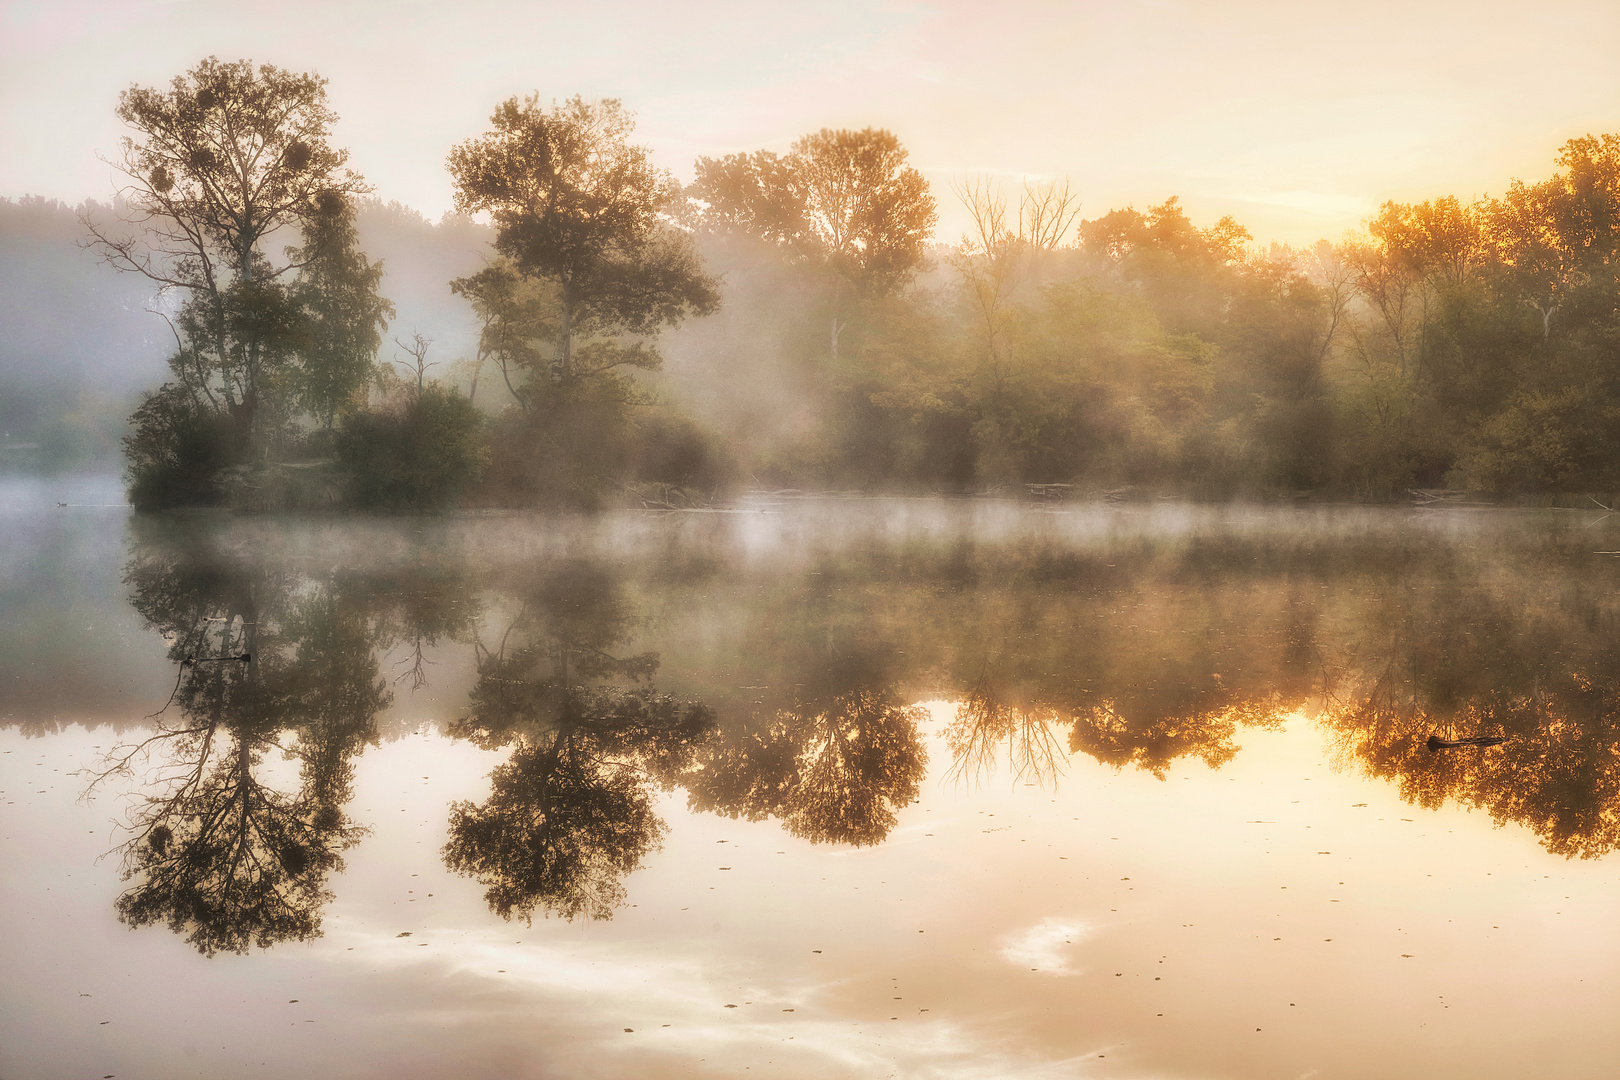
pixel 1157 656
pixel 1155 742
pixel 1028 734
pixel 1470 662
pixel 834 765
pixel 984 721
pixel 1387 646
pixel 570 813
pixel 432 600
pixel 216 851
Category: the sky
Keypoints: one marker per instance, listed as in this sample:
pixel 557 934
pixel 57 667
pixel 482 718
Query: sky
pixel 1297 118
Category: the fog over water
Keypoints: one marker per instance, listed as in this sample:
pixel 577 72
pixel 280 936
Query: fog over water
pixel 813 787
pixel 837 543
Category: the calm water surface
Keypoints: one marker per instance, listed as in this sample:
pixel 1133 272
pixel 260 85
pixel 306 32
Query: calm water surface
pixel 823 788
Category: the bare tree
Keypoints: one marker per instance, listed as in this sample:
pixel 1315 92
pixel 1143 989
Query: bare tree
pixel 997 257
pixel 416 348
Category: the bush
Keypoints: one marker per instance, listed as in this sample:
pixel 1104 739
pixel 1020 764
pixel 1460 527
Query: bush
pixel 672 449
pixel 571 450
pixel 176 452
pixel 419 454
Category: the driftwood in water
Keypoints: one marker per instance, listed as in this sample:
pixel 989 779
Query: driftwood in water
pixel 1048 492
pixel 1437 743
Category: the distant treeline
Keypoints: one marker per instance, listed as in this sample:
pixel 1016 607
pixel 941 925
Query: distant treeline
pixel 78 344
pixel 791 321
pixel 1452 345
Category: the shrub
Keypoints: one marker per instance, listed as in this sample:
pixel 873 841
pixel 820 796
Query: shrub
pixel 176 452
pixel 418 454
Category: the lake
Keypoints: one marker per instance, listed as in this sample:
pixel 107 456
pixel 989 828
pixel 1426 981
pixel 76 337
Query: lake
pixel 818 787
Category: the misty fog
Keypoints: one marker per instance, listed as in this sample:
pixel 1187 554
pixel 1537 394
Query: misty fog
pixel 715 618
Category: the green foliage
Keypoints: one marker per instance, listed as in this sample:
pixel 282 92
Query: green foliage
pixel 223 159
pixel 420 452
pixel 1452 343
pixel 570 449
pixel 176 450
pixel 578 206
pixel 343 316
pixel 672 449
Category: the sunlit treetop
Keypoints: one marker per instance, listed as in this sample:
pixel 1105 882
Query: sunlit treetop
pixel 846 200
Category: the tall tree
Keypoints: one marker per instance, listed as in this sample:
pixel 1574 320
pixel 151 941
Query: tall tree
pixel 577 205
pixel 1558 241
pixel 226 158
pixel 345 316
pixel 843 201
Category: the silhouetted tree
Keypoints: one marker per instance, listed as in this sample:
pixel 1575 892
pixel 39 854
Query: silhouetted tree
pixel 226 157
pixel 579 207
pixel 214 852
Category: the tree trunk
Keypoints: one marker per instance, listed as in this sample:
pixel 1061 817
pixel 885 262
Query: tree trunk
pixel 563 367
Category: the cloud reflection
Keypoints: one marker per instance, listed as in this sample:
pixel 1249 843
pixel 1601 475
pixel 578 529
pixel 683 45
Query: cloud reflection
pixel 1046 946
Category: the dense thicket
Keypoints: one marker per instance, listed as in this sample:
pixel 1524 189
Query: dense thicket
pixel 1466 345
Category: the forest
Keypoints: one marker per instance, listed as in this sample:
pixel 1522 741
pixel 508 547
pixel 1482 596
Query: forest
pixel 585 331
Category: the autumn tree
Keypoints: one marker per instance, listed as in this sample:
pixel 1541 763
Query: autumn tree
pixel 844 202
pixel 1184 271
pixel 1559 241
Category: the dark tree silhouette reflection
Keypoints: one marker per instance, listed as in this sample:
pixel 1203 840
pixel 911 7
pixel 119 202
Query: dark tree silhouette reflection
pixel 432 600
pixel 1469 661
pixel 1154 742
pixel 220 854
pixel 833 766
pixel 570 813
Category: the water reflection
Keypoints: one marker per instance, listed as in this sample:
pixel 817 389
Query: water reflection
pixel 570 813
pixel 833 764
pixel 1483 664
pixel 795 687
pixel 216 851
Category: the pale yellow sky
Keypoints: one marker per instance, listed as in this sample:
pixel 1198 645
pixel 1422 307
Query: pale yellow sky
pixel 1297 118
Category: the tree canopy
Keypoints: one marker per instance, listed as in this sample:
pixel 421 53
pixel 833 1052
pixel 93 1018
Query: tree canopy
pixel 844 199
pixel 843 202
pixel 577 205
pixel 226 158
